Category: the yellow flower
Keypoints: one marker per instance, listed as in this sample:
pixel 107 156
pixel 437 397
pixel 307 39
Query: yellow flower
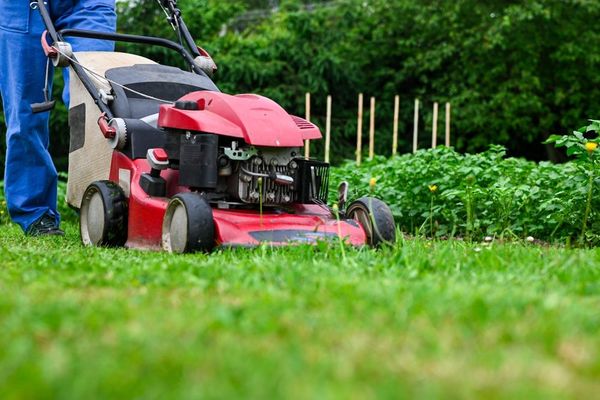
pixel 591 146
pixel 433 188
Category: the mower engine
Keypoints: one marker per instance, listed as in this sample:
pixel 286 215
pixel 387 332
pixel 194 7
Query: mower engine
pixel 272 172
pixel 280 175
pixel 251 156
pixel 238 174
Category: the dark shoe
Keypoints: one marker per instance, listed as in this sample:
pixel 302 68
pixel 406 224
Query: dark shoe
pixel 45 226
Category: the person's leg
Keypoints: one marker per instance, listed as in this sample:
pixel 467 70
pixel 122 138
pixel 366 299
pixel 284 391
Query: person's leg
pixel 93 15
pixel 30 176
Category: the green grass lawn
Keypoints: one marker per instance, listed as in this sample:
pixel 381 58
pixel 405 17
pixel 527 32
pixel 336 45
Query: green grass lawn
pixel 422 319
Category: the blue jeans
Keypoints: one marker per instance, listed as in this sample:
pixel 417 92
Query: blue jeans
pixel 30 177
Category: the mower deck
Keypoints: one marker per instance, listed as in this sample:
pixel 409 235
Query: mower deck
pixel 308 224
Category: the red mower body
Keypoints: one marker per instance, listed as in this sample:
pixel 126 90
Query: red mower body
pixel 257 121
pixel 234 228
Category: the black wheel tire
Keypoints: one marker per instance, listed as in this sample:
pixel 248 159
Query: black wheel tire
pixel 376 219
pixel 103 215
pixel 188 225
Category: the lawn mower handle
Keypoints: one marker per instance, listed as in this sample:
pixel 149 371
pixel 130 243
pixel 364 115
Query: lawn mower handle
pixel 177 20
pixel 175 15
pixel 83 76
pixel 122 37
pixel 41 5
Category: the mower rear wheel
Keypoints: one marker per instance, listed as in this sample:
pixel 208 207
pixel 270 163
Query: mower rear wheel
pixel 103 215
pixel 376 219
pixel 188 225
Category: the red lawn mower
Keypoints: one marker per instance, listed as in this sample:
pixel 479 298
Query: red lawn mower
pixel 160 158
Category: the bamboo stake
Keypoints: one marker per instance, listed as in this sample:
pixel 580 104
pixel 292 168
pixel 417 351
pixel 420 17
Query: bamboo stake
pixel 395 132
pixel 359 129
pixel 435 126
pixel 328 130
pixel 416 126
pixel 372 130
pixel 307 142
pixel 448 111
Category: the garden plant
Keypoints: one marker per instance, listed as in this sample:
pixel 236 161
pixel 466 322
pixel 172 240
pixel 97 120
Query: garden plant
pixel 444 194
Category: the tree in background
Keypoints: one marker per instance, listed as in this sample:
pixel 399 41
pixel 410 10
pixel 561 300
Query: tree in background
pixel 515 71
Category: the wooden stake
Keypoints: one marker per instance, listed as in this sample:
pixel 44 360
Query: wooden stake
pixel 448 111
pixel 328 130
pixel 372 130
pixel 359 129
pixel 395 132
pixel 435 126
pixel 307 142
pixel 416 126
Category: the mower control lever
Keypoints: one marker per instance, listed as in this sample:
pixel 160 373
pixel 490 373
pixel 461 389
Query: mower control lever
pixel 153 184
pixel 49 51
pixel 108 131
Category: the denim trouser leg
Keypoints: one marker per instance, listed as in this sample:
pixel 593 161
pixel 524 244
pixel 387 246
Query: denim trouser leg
pixel 30 176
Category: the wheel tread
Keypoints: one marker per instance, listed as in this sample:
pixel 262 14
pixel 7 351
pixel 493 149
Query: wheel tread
pixel 115 212
pixel 385 231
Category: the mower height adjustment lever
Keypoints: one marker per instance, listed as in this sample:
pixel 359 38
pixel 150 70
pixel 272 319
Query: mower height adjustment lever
pixel 153 184
pixel 158 160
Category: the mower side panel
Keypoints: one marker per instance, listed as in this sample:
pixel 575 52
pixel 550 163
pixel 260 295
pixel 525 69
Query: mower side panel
pixel 257 120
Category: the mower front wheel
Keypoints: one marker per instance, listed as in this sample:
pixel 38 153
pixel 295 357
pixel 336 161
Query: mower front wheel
pixel 376 219
pixel 103 215
pixel 188 225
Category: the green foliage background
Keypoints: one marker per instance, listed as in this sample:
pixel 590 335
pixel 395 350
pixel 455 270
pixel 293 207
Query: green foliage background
pixel 515 71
